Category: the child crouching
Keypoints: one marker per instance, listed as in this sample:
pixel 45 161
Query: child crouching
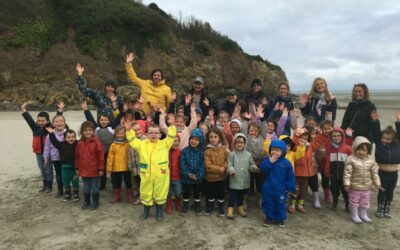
pixel 279 181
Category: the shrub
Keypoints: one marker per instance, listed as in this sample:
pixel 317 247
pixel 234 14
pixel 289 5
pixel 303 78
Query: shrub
pixel 203 47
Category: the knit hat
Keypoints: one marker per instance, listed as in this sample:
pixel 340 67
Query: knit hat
pixel 256 81
pixel 111 82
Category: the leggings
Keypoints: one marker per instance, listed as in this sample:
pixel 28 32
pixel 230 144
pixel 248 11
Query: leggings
pixel 236 197
pixel 388 182
pixel 116 178
pixel 191 189
pixel 214 190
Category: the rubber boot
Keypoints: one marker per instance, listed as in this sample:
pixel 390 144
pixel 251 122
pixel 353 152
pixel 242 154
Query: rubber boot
pixel 67 195
pixel 328 196
pixel 44 187
pixel 117 195
pixel 209 207
pixel 379 210
pixel 168 206
pixel 335 202
pixel 95 204
pixel 317 203
pixel 185 207
pixel 197 206
pixel 386 210
pixel 129 196
pixel 229 213
pixel 146 213
pixel 49 187
pixel 241 211
pixel 221 211
pixel 354 215
pixel 159 213
pixel 178 204
pixel 292 206
pixel 364 215
pixel 300 206
pixel 75 197
pixel 86 201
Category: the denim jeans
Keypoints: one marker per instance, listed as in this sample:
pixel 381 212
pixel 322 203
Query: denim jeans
pixel 47 173
pixel 175 189
pixel 90 185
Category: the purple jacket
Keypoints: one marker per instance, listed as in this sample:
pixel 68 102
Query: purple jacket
pixel 50 151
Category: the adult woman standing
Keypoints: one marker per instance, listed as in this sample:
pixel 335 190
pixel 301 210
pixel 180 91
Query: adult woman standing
pixel 103 102
pixel 358 112
pixel 154 91
pixel 320 103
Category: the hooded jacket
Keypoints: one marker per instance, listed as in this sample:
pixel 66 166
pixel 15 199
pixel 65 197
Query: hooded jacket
pixel 279 176
pixel 117 158
pixel 360 174
pixel 336 157
pixel 50 151
pixel 239 163
pixel 154 94
pixel 89 157
pixel 192 160
pixel 174 163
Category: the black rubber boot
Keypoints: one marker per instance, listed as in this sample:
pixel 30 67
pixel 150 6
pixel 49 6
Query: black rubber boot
pixel 44 187
pixel 221 211
pixel 185 208
pixel 379 210
pixel 67 195
pixel 95 204
pixel 49 187
pixel 146 213
pixel 159 213
pixel 386 210
pixel 209 207
pixel 197 205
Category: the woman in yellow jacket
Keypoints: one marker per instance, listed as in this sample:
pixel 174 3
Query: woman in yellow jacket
pixel 154 91
pixel 154 170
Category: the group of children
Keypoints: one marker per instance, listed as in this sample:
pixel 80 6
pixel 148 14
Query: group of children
pixel 170 158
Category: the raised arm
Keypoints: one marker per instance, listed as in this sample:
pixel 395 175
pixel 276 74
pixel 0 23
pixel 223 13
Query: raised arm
pixel 28 118
pixel 53 138
pixel 131 72
pixel 81 81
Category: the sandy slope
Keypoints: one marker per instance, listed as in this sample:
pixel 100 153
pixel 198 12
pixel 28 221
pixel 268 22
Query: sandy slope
pixel 34 221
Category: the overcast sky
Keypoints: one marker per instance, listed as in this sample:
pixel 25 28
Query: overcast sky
pixel 344 41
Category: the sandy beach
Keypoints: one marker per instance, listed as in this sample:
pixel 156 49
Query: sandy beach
pixel 30 220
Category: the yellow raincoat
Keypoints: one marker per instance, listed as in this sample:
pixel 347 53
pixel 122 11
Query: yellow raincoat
pixel 154 170
pixel 154 94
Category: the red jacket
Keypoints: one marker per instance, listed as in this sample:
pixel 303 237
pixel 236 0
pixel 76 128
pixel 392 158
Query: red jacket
pixel 174 165
pixel 336 157
pixel 89 157
pixel 304 165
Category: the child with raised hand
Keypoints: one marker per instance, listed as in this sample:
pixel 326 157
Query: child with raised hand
pixel 279 181
pixel 216 163
pixel 89 164
pixel 117 165
pixel 175 186
pixel 66 151
pixel 192 170
pixel 361 171
pixel 39 137
pixel 154 170
pixel 387 155
pixel 104 132
pixel 240 162
pixel 51 152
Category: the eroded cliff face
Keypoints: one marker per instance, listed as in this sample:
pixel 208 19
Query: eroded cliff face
pixel 44 79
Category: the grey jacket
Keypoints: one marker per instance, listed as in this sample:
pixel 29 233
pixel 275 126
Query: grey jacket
pixel 239 164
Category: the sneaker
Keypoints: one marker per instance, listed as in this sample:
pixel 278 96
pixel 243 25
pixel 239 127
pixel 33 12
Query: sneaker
pixel 267 223
pixel 66 197
pixel 75 198
pixel 281 224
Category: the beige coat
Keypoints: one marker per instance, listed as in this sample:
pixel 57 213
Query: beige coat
pixel 360 174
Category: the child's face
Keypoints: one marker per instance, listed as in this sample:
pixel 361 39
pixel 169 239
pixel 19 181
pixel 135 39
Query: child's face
pixel 239 144
pixel 120 135
pixel 386 139
pixel 337 137
pixel 194 142
pixel 253 132
pixel 276 152
pixel 130 117
pixel 310 123
pixel 87 133
pixel 104 121
pixel 362 152
pixel 234 128
pixel 204 128
pixel 154 134
pixel 179 123
pixel 42 121
pixel 326 129
pixel 176 143
pixel 59 123
pixel 222 118
pixel 70 138
pixel 213 138
pixel 305 137
pixel 138 130
pixel 270 127
pixel 198 117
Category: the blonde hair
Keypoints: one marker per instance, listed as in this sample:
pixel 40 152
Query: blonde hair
pixel 327 94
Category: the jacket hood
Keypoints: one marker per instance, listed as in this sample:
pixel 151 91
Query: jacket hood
pixel 287 140
pixel 278 144
pixel 340 131
pixel 358 141
pixel 161 82
pixel 240 135
pixel 237 121
pixel 198 133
